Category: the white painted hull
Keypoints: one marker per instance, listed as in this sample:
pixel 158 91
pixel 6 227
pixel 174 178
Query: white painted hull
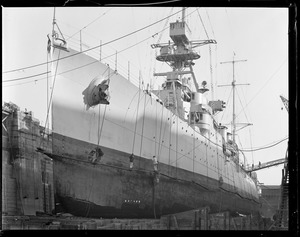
pixel 158 131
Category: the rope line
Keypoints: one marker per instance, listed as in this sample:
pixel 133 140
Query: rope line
pixel 51 96
pixel 136 118
pixel 109 42
pixel 271 77
pixel 266 147
pixel 202 24
pixel 226 103
pixel 90 23
pixel 210 24
pixel 83 65
pixel 143 123
pixel 22 78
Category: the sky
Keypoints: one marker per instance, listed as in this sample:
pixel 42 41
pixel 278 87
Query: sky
pixel 258 35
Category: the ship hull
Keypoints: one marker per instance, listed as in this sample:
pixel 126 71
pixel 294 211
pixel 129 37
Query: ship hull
pixel 193 171
pixel 110 189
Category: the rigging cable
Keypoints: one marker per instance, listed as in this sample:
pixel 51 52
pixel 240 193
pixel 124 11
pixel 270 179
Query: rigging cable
pixel 133 97
pixel 160 138
pixel 242 106
pixel 271 77
pixel 210 57
pixel 158 41
pixel 202 24
pixel 164 133
pixel 251 145
pixel 242 150
pixel 88 206
pixel 216 47
pixel 22 78
pixel 143 123
pixel 109 42
pixel 226 104
pixel 213 33
pixel 90 23
pixel 261 148
pixel 98 142
pixel 170 133
pixel 50 101
pixel 47 84
pixel 136 118
pixel 230 28
pixel 176 138
pixel 76 67
pixel 155 135
pixel 104 111
pixel 83 65
pixel 193 153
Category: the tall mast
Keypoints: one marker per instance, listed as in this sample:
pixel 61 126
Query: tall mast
pixel 233 84
pixel 183 15
pixel 50 88
pixel 233 102
pixel 53 23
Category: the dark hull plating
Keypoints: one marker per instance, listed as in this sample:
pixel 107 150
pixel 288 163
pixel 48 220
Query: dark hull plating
pixel 110 189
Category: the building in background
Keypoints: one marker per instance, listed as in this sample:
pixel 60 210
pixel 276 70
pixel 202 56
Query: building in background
pixel 270 197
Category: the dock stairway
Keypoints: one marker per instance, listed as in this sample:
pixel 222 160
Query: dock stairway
pixel 282 214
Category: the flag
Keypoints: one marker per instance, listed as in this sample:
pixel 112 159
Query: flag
pixel 48 44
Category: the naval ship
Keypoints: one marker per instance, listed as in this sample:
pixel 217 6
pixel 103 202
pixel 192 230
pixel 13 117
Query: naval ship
pixel 122 150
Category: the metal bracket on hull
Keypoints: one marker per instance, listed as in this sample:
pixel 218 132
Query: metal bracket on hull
pixel 96 93
pixel 95 155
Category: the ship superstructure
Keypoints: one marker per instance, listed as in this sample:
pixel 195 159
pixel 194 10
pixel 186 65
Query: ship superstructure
pixel 178 95
pixel 121 151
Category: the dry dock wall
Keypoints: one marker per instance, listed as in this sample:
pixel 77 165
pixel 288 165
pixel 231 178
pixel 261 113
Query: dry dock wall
pixel 27 175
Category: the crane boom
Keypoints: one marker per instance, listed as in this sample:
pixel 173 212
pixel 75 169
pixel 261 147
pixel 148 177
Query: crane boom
pixel 285 102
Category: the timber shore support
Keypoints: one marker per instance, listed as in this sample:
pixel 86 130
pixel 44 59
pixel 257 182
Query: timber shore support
pixel 199 219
